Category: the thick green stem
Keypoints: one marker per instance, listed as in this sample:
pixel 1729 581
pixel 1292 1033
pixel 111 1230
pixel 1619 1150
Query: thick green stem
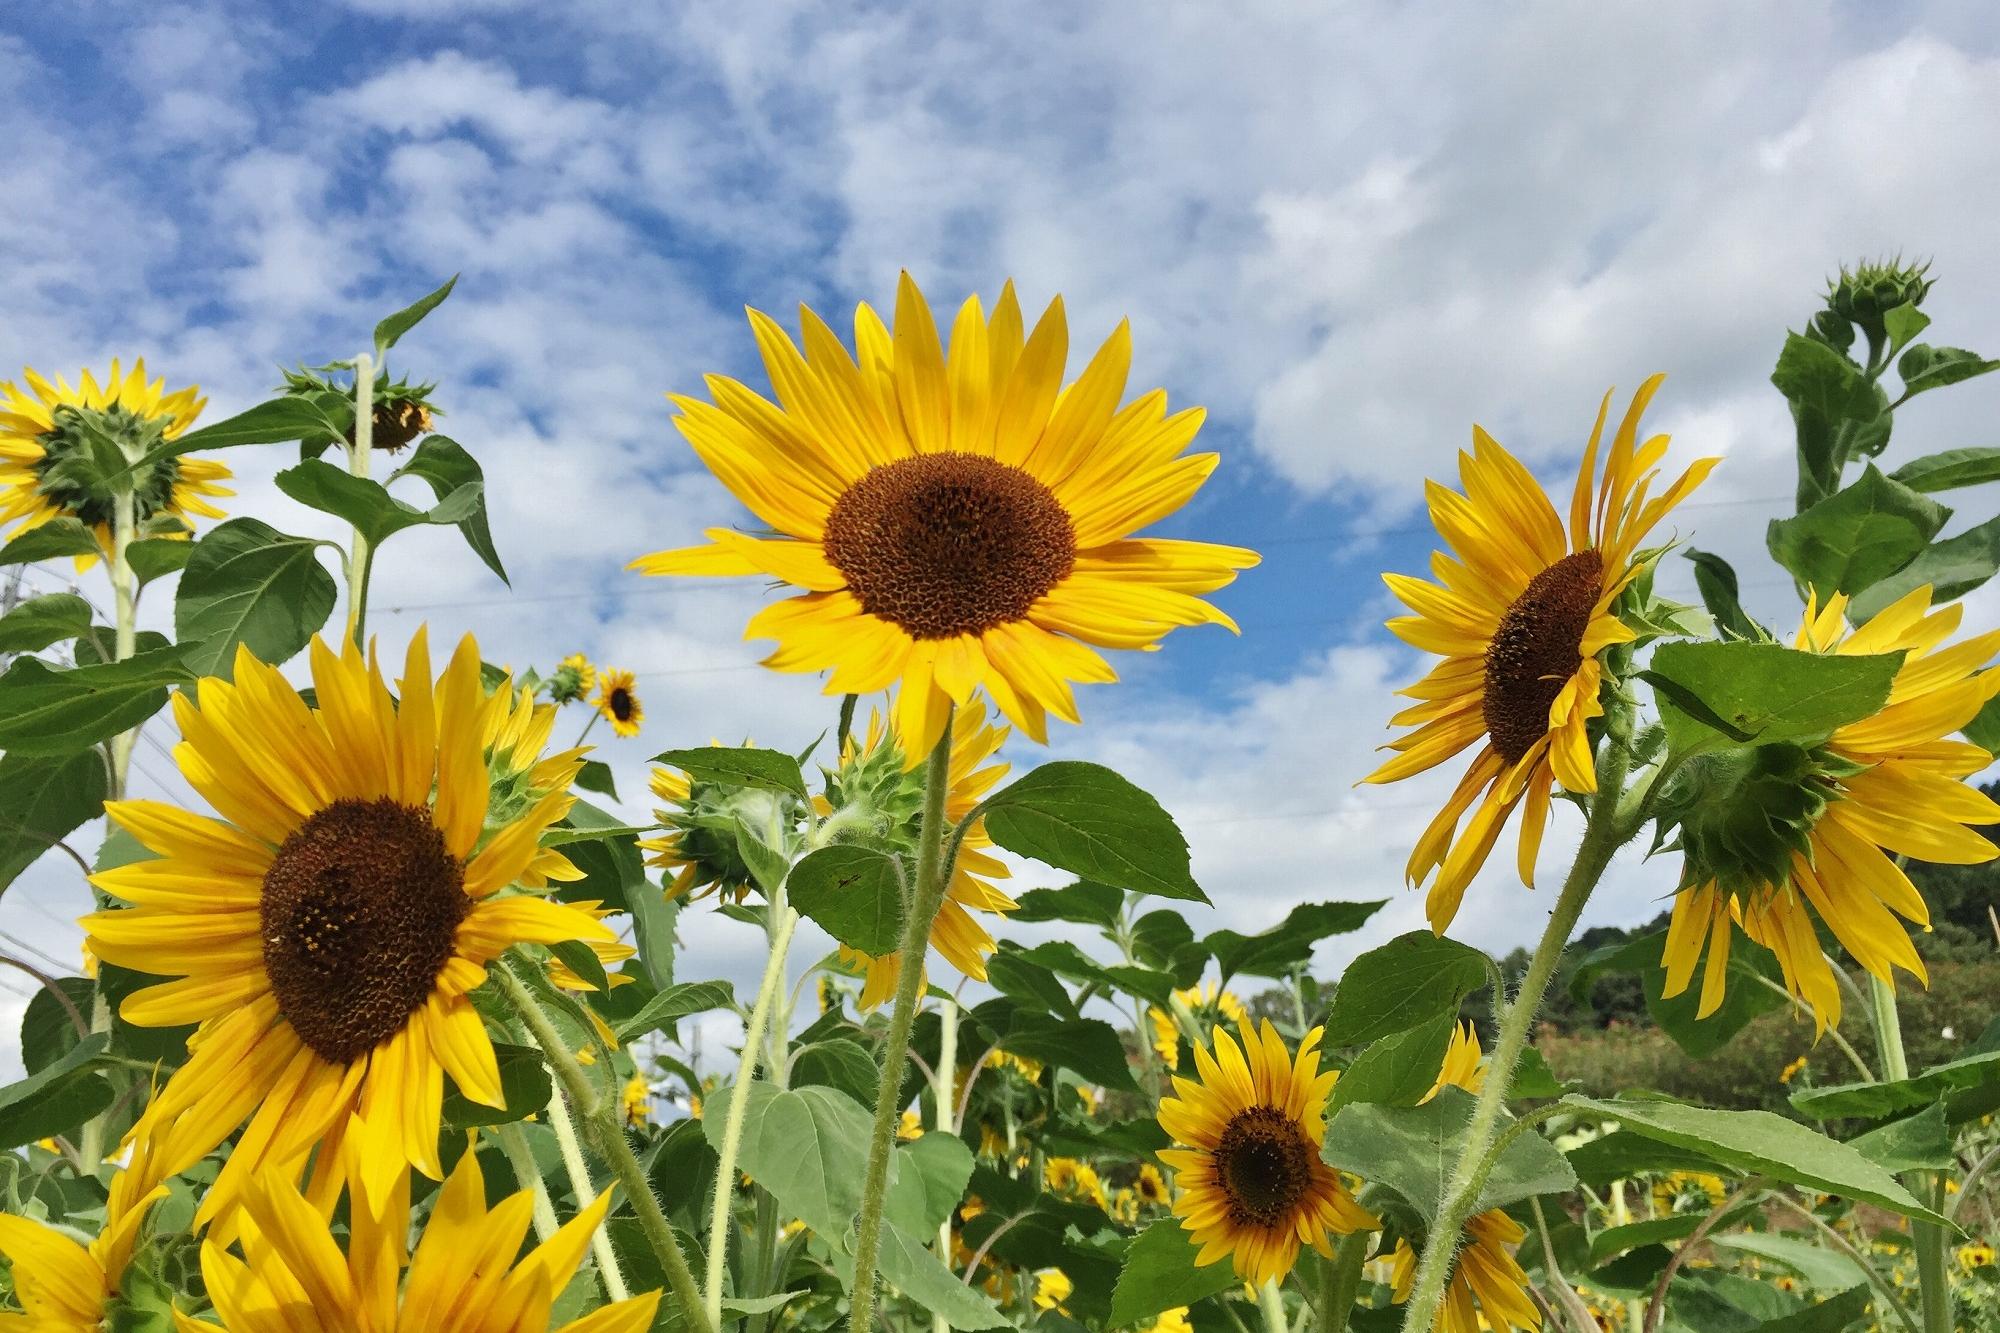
pixel 1603 833
pixel 1340 1281
pixel 1271 1304
pixel 720 1223
pixel 601 1123
pixel 514 1143
pixel 584 1192
pixel 358 457
pixel 932 877
pixel 1927 1238
pixel 945 1103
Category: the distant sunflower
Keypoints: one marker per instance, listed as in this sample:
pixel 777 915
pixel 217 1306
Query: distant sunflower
pixel 636 1100
pixel 573 678
pixel 1252 1185
pixel 1151 1187
pixel 701 857
pixel 44 442
pixel 1520 612
pixel 1891 783
pixel 956 521
pixel 327 930
pixel 462 1274
pixel 1208 1003
pixel 617 703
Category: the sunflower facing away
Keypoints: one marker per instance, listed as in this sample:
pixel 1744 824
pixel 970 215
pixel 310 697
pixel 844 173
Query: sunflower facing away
pixel 44 444
pixel 325 931
pixel 1208 1003
pixel 617 703
pixel 463 1274
pixel 954 520
pixel 1520 612
pixel 1252 1185
pixel 1891 783
pixel 700 857
pixel 1489 1288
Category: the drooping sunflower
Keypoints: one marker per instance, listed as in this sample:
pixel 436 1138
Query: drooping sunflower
pixel 463 1273
pixel 1252 1185
pixel 1209 1004
pixel 1890 783
pixel 958 520
pixel 1520 612
pixel 618 703
pixel 875 777
pixel 700 857
pixel 1488 1288
pixel 45 442
pixel 326 930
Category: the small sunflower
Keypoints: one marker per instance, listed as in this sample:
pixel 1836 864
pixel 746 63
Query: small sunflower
pixel 1151 1187
pixel 1075 1179
pixel 462 1274
pixel 637 1100
pixel 1252 1185
pixel 45 438
pixel 327 930
pixel 1520 612
pixel 1890 783
pixel 574 678
pixel 875 777
pixel 617 703
pixel 1209 1005
pixel 695 843
pixel 959 521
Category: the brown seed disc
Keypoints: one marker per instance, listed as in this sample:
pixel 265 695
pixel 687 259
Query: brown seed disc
pixel 949 544
pixel 359 909
pixel 1264 1164
pixel 620 703
pixel 1536 649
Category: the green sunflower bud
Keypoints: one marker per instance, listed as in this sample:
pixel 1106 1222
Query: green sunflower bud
pixel 870 789
pixel 1742 814
pixel 1862 295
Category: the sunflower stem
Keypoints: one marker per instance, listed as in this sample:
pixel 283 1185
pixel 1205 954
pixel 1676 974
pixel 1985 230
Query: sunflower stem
pixel 600 1121
pixel 941 1096
pixel 1271 1304
pixel 1340 1281
pixel 584 1192
pixel 720 1218
pixel 933 874
pixel 1604 832
pixel 1927 1238
pixel 514 1143
pixel 358 561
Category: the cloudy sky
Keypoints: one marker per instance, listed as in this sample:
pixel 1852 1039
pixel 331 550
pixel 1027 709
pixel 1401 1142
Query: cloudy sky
pixel 1349 230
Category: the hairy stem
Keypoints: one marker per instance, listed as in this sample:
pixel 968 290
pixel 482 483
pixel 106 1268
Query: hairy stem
pixel 358 458
pixel 584 1192
pixel 1340 1281
pixel 514 1143
pixel 942 1099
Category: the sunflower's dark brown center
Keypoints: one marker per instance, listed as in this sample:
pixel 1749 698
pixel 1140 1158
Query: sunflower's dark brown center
pixel 359 909
pixel 397 422
pixel 1264 1164
pixel 620 703
pixel 949 544
pixel 1536 649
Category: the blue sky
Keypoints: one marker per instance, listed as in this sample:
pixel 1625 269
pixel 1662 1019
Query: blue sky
pixel 1348 231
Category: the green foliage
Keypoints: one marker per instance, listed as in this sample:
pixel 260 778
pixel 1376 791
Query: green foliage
pixel 763 770
pixel 44 799
pixel 41 622
pixel 248 584
pixel 1159 1273
pixel 1289 944
pixel 1413 1150
pixel 855 893
pixel 1089 821
pixel 44 711
pixel 1402 985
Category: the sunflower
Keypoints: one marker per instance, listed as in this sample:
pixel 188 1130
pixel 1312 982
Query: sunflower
pixel 1252 1183
pixel 954 521
pixel 875 778
pixel 1208 1004
pixel 1075 1179
pixel 694 843
pixel 1489 1288
pixel 462 1274
pixel 573 679
pixel 1151 1186
pixel 616 702
pixel 1520 612
pixel 636 1100
pixel 325 932
pixel 1890 783
pixel 45 435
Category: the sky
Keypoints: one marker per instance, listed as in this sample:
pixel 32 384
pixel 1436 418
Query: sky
pixel 1350 231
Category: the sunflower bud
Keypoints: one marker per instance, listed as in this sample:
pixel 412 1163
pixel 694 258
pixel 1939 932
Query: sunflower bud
pixel 1744 813
pixel 403 411
pixel 1862 295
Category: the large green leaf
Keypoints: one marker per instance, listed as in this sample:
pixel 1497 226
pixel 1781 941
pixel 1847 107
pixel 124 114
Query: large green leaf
pixel 1087 820
pixel 1877 1101
pixel 1924 367
pixel 1622 1154
pixel 770 770
pixel 277 421
pixel 1414 1150
pixel 1159 1274
pixel 1680 1016
pixel 1411 979
pixel 1862 533
pixel 48 712
pixel 400 323
pixel 44 799
pixel 1835 1314
pixel 1716 580
pixel 247 583
pixel 1816 376
pixel 52 540
pixel 1399 1069
pixel 366 503
pixel 675 1002
pixel 1920 1142
pixel 836 1063
pixel 855 893
pixel 524 1087
pixel 449 469
pixel 1827 1269
pixel 1952 568
pixel 57 1098
pixel 1950 470
pixel 1083 902
pixel 157 557
pixel 41 621
pixel 1289 944
pixel 1763 693
pixel 1066 960
pixel 1089 1046
pixel 1760 1143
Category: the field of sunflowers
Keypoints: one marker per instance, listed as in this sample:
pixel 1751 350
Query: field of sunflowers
pixel 388 1027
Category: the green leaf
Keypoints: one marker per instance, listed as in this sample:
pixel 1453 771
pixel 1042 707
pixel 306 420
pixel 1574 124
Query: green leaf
pixel 277 421
pixel 1984 730
pixel 1903 323
pixel 45 712
pixel 247 583
pixel 1083 902
pixel 1413 1150
pixel 1920 1142
pixel 400 323
pixel 1679 1016
pixel 1289 944
pixel 1952 568
pixel 1950 470
pixel 653 918
pixel 157 557
pixel 1814 375
pixel 1028 982
pixel 1614 1241
pixel 1862 533
pixel 41 621
pixel 1760 1143
pixel 1819 1266
pixel 676 1002
pixel 1089 1046
pixel 1087 820
pixel 44 799
pixel 1398 1070
pixel 1765 693
pixel 1835 1314
pixel 595 775
pixel 366 503
pixel 1622 1154
pixel 524 1086
pixel 55 1099
pixel 767 770
pixel 912 1269
pixel 1924 367
pixel 855 893
pixel 52 540
pixel 1159 1274
pixel 446 465
pixel 836 1063
pixel 1411 979
pixel 930 1178
pixel 1534 1080
pixel 48 1032
pixel 578 958
pixel 1716 580
pixel 1065 959
pixel 1878 1101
